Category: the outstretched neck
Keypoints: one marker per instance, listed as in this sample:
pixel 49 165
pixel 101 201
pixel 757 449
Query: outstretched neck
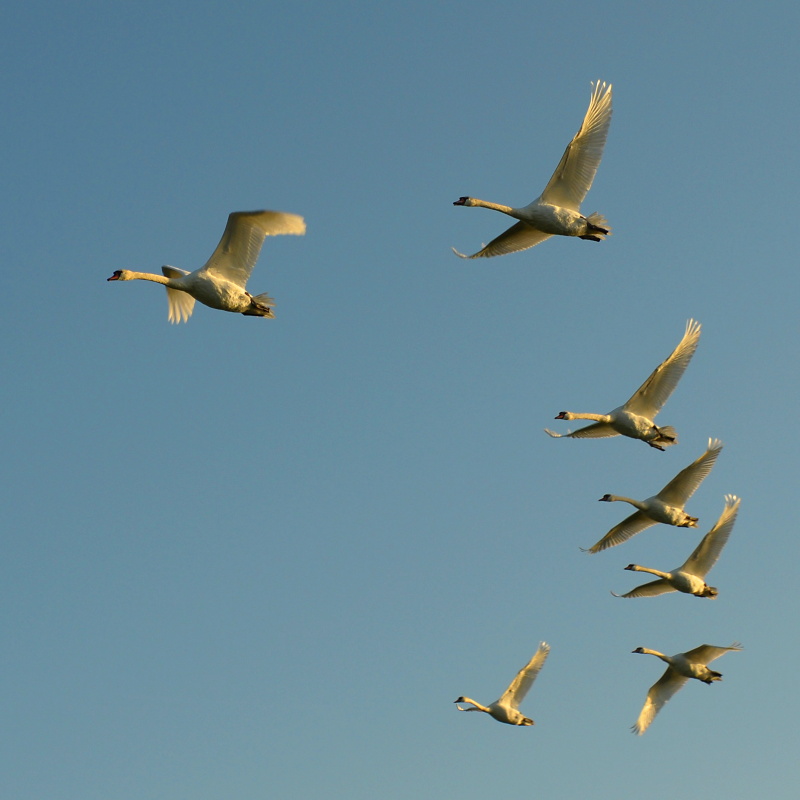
pixel 474 201
pixel 610 498
pixel 657 572
pixel 130 275
pixel 568 415
pixel 476 706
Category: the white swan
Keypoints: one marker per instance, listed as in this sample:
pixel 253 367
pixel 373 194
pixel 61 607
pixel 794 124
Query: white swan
pixel 682 666
pixel 506 709
pixel 557 210
pixel 221 282
pixel 666 506
pixel 635 418
pixel 690 576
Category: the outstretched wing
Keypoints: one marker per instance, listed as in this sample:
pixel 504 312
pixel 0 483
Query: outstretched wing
pixel 706 653
pixel 597 430
pixel 576 170
pixel 685 483
pixel 660 692
pixel 705 555
pixel 651 396
pixel 518 688
pixel 630 526
pixel 651 589
pixel 517 237
pixel 238 249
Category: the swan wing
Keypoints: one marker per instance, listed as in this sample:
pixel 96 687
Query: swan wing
pixel 630 526
pixel 651 396
pixel 576 170
pixel 706 653
pixel 685 483
pixel 518 237
pixel 238 249
pixel 518 688
pixel 651 589
pixel 597 430
pixel 660 692
pixel 181 304
pixel 705 555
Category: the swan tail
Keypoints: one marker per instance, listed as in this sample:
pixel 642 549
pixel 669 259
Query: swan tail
pixel 597 228
pixel 261 305
pixel 667 436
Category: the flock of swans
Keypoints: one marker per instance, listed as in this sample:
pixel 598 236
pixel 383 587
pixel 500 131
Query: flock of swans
pixel 221 284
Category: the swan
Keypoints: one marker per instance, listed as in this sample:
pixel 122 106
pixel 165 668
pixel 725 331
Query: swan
pixel 689 577
pixel 666 506
pixel 556 210
pixel 221 282
pixel 682 666
pixel 506 709
pixel 635 417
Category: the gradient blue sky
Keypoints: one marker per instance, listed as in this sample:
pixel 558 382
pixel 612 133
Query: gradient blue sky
pixel 248 558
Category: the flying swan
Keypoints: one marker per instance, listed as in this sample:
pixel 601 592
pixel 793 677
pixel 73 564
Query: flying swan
pixel 666 506
pixel 557 210
pixel 221 282
pixel 690 576
pixel 681 667
pixel 506 709
pixel 635 418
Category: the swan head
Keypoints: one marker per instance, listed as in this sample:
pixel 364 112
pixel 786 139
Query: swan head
pixel 460 700
pixel 631 566
pixel 564 415
pixel 638 650
pixel 709 591
pixel 606 498
pixel 464 201
pixel 120 275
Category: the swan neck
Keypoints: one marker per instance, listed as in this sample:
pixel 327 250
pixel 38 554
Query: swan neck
pixel 657 572
pixel 589 415
pixel 478 706
pixel 493 206
pixel 147 276
pixel 637 503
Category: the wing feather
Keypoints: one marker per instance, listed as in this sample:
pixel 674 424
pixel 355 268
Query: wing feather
pixel 686 482
pixel 651 396
pixel 518 237
pixel 519 687
pixel 240 245
pixel 575 172
pixel 630 526
pixel 705 555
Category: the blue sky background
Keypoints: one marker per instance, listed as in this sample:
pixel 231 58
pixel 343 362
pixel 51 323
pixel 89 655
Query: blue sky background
pixel 250 558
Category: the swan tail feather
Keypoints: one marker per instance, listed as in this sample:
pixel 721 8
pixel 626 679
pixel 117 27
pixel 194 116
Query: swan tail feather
pixel 667 436
pixel 261 305
pixel 598 226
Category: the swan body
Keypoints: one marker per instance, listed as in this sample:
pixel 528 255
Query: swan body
pixel 556 212
pixel 221 282
pixel 506 709
pixel 690 576
pixel 681 667
pixel 666 506
pixel 635 418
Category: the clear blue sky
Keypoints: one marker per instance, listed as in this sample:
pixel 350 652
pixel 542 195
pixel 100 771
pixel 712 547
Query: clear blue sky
pixel 247 558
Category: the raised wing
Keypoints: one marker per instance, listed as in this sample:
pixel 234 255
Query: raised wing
pixel 706 653
pixel 651 589
pixel 181 304
pixel 518 688
pixel 651 396
pixel 576 170
pixel 630 526
pixel 660 692
pixel 705 555
pixel 517 237
pixel 685 483
pixel 597 430
pixel 238 249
